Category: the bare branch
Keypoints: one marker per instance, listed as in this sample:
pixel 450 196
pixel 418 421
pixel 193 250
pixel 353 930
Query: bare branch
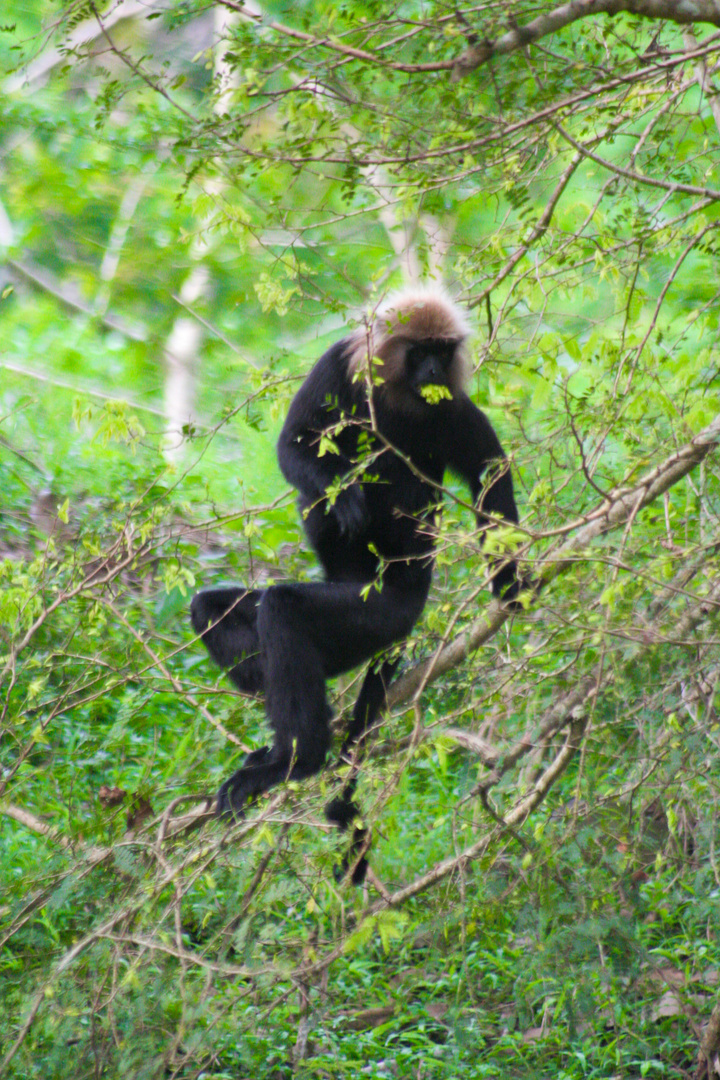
pixel 52 832
pixel 515 817
pixel 81 37
pixel 640 178
pixel 622 505
pixel 537 231
pixel 703 77
pixel 683 12
pixel 68 295
pixel 336 46
pixel 571 711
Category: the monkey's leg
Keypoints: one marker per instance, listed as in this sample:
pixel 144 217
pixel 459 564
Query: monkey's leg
pixel 370 702
pixel 300 717
pixel 307 633
pixel 294 696
pixel 352 623
pixel 226 619
pixel 342 810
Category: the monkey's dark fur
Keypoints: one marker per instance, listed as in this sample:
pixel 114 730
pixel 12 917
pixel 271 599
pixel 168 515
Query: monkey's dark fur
pixel 368 499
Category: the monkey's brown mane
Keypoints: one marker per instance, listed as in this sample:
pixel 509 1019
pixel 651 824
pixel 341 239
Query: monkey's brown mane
pixel 410 316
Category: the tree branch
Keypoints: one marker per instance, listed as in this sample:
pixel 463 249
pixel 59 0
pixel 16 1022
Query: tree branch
pixel 336 46
pixel 619 508
pixel 640 178
pixel 683 12
pixel 571 711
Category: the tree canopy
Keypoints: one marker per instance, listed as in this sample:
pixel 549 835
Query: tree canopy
pixel 195 200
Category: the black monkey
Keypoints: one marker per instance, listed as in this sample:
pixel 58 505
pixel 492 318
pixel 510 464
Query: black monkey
pixel 366 442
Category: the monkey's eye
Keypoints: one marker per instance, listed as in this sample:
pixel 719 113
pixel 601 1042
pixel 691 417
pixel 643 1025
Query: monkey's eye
pixel 415 356
pixel 439 352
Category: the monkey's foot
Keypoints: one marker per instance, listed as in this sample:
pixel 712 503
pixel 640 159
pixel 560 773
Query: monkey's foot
pixel 242 787
pixel 529 586
pixel 341 812
pixel 355 864
pixel 231 799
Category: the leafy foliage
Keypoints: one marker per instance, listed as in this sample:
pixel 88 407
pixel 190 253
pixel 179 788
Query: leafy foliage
pixel 195 202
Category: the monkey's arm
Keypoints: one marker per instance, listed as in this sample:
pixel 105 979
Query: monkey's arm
pixel 310 463
pixel 474 450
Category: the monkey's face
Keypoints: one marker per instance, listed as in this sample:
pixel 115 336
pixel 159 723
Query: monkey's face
pixel 431 368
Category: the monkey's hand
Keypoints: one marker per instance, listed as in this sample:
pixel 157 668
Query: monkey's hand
pixel 350 510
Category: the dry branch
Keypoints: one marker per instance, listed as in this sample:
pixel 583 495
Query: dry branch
pixel 512 820
pixel 571 711
pixel 621 506
pixel 683 12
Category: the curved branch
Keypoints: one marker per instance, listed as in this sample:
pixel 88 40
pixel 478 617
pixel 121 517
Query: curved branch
pixel 570 712
pixel 683 12
pixel 334 45
pixel 640 178
pixel 621 506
